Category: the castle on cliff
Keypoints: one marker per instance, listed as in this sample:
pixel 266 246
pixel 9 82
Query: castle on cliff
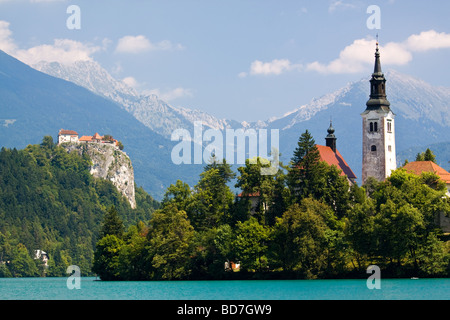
pixel 72 136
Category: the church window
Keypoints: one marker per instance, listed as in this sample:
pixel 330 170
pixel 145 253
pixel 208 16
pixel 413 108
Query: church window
pixel 371 127
pixel 389 126
pixel 375 126
pixel 373 148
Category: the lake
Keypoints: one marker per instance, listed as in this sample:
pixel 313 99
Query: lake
pixel 92 289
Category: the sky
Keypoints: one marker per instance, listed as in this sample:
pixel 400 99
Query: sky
pixel 245 60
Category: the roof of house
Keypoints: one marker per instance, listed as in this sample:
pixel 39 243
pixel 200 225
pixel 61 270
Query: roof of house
pixel 418 167
pixel 67 132
pixel 85 138
pixel 328 155
pixel 250 195
pixel 97 136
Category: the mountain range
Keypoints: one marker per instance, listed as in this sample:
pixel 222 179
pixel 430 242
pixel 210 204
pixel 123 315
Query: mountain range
pixel 422 112
pixel 34 104
pixel 41 99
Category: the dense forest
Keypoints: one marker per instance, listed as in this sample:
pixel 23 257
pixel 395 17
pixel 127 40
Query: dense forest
pixel 305 222
pixel 50 202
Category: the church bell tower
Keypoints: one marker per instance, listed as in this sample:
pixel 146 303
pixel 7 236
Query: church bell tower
pixel 379 158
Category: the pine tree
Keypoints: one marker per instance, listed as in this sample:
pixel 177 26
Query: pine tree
pixel 112 224
pixel 428 155
pixel 305 168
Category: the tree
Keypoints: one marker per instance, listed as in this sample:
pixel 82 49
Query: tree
pixel 112 224
pixel 428 155
pixel 106 258
pixel 179 194
pixel 396 225
pixel 301 238
pixel 334 190
pixel 250 244
pixel 212 199
pixel 360 232
pixel 269 190
pixel 22 264
pixel 306 170
pixel 169 243
pixel 433 258
pixel 47 142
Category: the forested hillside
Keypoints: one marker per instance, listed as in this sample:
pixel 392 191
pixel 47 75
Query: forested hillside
pixel 50 202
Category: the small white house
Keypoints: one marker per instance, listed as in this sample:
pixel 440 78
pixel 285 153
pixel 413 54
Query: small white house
pixel 67 136
pixel 41 255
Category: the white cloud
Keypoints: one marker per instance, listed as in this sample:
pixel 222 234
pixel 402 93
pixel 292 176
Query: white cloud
pixel 428 40
pixel 64 51
pixel 140 43
pixel 171 94
pixel 133 44
pixel 6 42
pixel 355 57
pixel 339 4
pixel 274 67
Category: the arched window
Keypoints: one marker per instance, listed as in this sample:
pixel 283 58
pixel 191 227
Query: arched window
pixel 375 126
pixel 371 127
pixel 373 148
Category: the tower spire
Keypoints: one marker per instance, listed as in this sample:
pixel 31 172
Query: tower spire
pixel 330 140
pixel 378 99
pixel 377 69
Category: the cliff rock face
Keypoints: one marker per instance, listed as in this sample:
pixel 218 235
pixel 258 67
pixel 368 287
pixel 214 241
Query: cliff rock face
pixel 109 163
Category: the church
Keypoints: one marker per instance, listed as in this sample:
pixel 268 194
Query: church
pixel 378 129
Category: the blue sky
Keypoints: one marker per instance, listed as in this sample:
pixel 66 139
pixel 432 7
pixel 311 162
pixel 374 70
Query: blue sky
pixel 243 60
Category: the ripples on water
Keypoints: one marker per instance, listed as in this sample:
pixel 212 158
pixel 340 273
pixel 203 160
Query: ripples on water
pixel 92 289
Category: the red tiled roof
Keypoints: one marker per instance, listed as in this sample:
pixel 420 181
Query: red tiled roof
pixel 85 138
pixel 418 167
pixel 327 155
pixel 97 136
pixel 250 195
pixel 67 132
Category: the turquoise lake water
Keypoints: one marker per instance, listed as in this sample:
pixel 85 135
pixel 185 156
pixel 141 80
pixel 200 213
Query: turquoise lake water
pixel 92 289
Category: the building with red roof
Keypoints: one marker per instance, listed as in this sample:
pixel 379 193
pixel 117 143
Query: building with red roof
pixel 417 167
pixel 72 136
pixel 85 139
pixel 67 136
pixel 332 156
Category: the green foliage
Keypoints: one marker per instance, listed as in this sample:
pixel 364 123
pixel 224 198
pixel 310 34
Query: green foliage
pixel 49 201
pixel 395 228
pixel 169 241
pixel 106 262
pixel 112 224
pixel 250 244
pixel 428 155
pixel 302 236
pixel 305 168
pixel 305 221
